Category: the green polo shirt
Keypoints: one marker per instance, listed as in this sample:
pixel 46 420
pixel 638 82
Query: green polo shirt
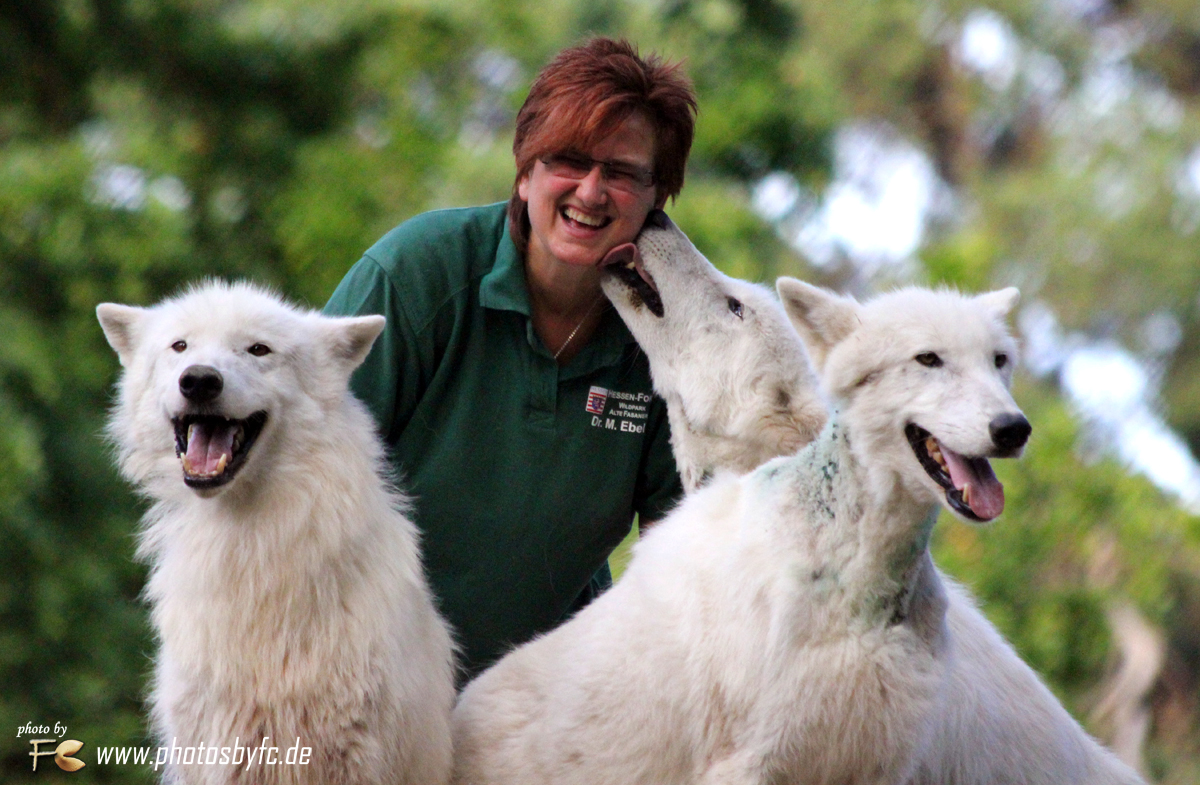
pixel 524 475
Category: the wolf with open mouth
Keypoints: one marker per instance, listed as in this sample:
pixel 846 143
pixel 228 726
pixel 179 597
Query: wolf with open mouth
pixel 286 586
pixel 738 386
pixel 788 625
pixel 995 702
pixel 724 348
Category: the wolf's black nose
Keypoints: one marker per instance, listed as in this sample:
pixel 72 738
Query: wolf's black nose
pixel 201 383
pixel 658 219
pixel 1010 431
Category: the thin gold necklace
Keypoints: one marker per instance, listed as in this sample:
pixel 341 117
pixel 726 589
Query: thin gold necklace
pixel 581 321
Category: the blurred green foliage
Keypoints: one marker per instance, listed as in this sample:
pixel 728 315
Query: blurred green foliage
pixel 145 145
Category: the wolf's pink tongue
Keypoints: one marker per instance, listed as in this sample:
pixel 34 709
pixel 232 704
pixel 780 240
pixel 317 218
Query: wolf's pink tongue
pixel 986 494
pixel 207 442
pixel 624 254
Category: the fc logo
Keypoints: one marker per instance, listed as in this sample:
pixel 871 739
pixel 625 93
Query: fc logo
pixel 61 753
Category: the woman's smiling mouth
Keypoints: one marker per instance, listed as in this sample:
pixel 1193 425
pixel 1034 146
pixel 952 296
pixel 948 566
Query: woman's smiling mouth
pixel 576 217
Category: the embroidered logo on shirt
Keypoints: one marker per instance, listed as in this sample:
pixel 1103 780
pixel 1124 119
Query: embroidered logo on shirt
pixel 618 411
pixel 595 400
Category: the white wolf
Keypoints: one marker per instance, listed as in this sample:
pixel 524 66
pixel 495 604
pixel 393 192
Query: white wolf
pixel 788 626
pixel 999 722
pixel 286 585
pixel 738 387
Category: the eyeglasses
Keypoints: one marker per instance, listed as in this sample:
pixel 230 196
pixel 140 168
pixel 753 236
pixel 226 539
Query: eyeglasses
pixel 577 166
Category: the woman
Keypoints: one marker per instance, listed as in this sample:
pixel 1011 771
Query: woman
pixel 516 405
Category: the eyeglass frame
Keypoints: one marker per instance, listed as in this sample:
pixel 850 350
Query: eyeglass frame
pixel 615 173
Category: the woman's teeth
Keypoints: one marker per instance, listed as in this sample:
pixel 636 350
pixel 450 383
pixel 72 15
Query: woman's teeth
pixel 583 218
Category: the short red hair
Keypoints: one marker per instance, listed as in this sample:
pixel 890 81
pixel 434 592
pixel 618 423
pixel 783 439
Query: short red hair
pixel 583 95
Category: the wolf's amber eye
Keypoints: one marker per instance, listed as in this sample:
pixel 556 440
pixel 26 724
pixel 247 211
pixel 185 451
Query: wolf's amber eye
pixel 929 359
pixel 179 346
pixel 1001 359
pixel 259 350
pixel 735 307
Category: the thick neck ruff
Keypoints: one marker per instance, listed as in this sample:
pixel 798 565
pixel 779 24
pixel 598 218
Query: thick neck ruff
pixel 870 545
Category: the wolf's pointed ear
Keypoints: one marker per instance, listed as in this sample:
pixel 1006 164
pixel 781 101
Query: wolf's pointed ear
pixel 1000 303
pixel 120 324
pixel 822 318
pixel 350 338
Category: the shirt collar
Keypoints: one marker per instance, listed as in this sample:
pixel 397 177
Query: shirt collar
pixel 504 288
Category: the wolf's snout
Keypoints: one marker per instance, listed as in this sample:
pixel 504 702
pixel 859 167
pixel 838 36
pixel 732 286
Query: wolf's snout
pixel 201 383
pixel 1010 431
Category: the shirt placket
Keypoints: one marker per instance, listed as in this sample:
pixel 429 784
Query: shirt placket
pixel 543 380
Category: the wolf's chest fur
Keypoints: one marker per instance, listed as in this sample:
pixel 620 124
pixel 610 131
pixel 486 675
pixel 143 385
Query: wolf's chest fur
pixel 848 609
pixel 277 586
pixel 852 563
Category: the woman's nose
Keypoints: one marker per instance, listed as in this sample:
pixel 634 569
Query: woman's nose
pixel 593 187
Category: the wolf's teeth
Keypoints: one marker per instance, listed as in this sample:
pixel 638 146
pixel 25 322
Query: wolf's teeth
pixel 237 438
pixel 191 430
pixel 221 463
pixel 935 452
pixel 966 494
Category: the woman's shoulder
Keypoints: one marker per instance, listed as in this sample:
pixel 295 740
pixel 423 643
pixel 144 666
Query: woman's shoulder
pixel 422 267
pixel 458 240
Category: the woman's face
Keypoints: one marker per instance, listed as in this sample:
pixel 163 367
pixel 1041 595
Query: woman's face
pixel 578 219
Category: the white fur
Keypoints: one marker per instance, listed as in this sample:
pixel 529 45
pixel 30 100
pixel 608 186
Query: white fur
pixel 738 387
pixel 996 702
pixel 998 722
pixel 789 625
pixel 290 602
